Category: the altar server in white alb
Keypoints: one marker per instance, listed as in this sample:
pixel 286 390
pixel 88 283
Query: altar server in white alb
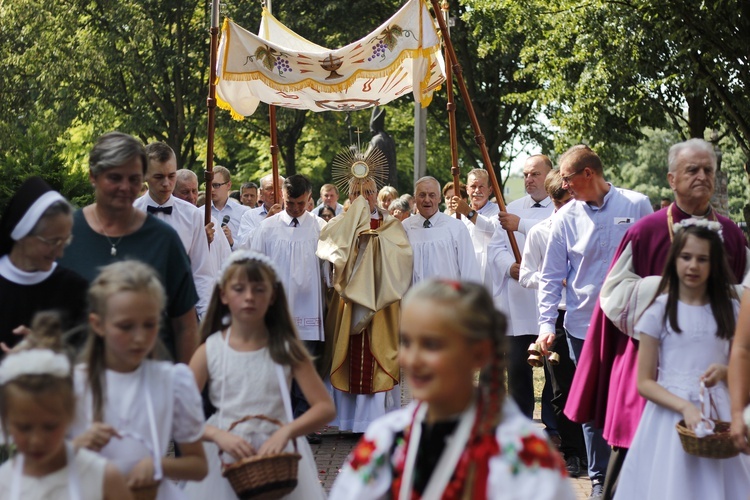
pixel 441 244
pixel 518 303
pixel 480 218
pixel 290 239
pixel 186 219
pixel 252 218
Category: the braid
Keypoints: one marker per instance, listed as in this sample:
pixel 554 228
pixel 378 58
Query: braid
pixel 492 382
pixel 474 316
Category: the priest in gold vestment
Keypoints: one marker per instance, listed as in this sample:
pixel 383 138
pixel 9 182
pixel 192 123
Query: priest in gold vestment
pixel 371 263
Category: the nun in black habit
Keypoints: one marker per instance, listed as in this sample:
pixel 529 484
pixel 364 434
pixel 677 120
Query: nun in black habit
pixel 34 231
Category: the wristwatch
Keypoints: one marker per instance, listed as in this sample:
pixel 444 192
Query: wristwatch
pixel 471 214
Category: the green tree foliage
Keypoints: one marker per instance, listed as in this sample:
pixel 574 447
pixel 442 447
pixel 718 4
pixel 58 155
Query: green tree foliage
pixel 610 68
pixel 488 47
pixel 614 74
pixel 35 103
pixel 148 62
pixel 643 167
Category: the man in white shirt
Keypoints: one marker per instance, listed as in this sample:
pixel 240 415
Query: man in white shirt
pixel 252 218
pixel 228 213
pixel 186 189
pixel 584 236
pixel 249 194
pixel 518 303
pixel 441 244
pixel 329 195
pixel 559 376
pixel 480 218
pixel 161 176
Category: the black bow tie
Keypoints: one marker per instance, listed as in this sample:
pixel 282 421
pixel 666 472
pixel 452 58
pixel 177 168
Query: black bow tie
pixel 536 205
pixel 154 210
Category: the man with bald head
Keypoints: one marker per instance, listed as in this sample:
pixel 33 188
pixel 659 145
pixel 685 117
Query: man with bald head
pixel 441 244
pixel 519 303
pixel 608 362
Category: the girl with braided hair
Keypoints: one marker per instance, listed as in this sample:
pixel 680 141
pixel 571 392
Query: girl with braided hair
pixel 458 438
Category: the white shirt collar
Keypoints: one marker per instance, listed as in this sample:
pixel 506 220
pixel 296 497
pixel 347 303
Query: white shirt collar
pixel 433 220
pixel 544 203
pixel 151 203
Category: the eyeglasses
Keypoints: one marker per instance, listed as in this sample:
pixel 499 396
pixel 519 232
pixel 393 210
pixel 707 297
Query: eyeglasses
pixel 566 178
pixel 55 242
pixel 217 185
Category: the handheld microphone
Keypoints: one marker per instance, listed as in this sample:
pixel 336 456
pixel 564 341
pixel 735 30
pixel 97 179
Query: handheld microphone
pixel 225 221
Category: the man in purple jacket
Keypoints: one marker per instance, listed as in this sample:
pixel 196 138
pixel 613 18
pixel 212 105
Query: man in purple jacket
pixel 604 388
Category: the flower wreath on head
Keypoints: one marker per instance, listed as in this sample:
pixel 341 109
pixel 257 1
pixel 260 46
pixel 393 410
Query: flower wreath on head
pixel 243 255
pixel 711 225
pixel 34 362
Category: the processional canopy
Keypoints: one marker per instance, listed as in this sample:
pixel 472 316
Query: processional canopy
pixel 281 68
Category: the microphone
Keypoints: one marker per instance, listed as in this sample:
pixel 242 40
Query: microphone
pixel 225 221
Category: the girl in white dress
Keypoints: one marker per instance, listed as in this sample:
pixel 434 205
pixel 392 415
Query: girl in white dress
pixel 250 354
pixel 685 337
pixel 37 405
pixel 455 440
pixel 130 407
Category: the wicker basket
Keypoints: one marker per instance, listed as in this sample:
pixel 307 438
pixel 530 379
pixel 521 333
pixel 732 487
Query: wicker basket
pixel 147 493
pixel 265 477
pixel 717 445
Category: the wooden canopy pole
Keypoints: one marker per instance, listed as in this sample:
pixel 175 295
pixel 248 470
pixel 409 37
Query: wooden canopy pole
pixel 478 136
pixel 274 153
pixel 451 107
pixel 211 104
pixel 274 138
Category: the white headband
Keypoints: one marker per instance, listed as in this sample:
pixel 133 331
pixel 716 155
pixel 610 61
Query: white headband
pixel 711 225
pixel 34 213
pixel 240 255
pixel 33 362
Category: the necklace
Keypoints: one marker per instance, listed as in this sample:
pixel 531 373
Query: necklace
pixel 113 251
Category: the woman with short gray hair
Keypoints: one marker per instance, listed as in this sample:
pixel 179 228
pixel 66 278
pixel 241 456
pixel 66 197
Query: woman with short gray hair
pixel 112 229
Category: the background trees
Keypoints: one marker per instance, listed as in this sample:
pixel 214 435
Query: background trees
pixel 627 77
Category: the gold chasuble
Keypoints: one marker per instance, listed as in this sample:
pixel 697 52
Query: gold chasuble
pixel 372 269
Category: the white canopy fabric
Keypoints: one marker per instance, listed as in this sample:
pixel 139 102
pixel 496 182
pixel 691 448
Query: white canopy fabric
pixel 281 68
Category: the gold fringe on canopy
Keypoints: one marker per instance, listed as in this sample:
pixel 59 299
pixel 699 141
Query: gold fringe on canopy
pixel 281 68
